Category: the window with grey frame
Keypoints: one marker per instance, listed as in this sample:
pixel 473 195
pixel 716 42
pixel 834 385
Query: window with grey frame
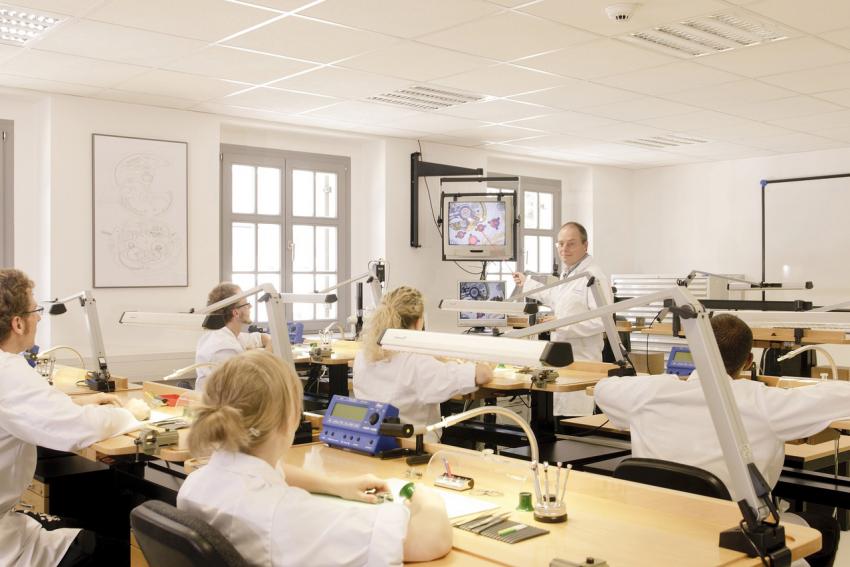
pixel 7 232
pixel 285 221
pixel 539 204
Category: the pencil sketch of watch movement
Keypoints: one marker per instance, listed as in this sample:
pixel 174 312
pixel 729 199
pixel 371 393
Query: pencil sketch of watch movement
pixel 140 212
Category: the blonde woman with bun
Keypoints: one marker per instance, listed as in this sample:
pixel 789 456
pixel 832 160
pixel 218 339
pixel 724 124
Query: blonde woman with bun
pixel 250 410
pixel 414 383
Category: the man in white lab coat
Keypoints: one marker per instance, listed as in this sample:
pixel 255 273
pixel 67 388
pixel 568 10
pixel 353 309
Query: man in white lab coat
pixel 669 418
pixel 570 299
pixel 218 345
pixel 34 413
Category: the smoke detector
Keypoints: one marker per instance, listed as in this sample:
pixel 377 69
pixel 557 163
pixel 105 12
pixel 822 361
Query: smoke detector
pixel 621 12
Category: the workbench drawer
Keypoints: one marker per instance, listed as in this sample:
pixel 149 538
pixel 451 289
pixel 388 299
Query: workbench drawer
pixel 34 502
pixel 38 487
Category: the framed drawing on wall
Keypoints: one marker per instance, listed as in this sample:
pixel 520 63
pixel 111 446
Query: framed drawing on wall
pixel 140 212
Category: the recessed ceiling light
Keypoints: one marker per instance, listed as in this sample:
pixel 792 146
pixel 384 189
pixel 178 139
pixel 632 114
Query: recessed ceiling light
pixel 425 98
pixel 17 26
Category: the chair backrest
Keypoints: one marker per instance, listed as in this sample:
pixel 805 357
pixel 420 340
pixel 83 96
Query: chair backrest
pixel 173 538
pixel 674 476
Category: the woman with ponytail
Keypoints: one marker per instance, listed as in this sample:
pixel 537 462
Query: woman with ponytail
pixel 250 411
pixel 414 383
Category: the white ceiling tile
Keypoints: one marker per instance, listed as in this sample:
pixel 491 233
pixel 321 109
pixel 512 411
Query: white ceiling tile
pixel 117 43
pixel 361 112
pixel 564 122
pixel 9 51
pixel 507 36
pixel 311 40
pixel 275 100
pixel 556 143
pixel 590 14
pixel 782 108
pixel 669 78
pixel 416 62
pixel 495 133
pixel 431 123
pixel 388 132
pixel 501 80
pixel 639 109
pixel 401 18
pixel 577 94
pixel 840 37
pixel 695 121
pixel 209 20
pixel 600 58
pixel 819 16
pixel 66 7
pixel 730 93
pixel 341 83
pixel 778 57
pixel 716 150
pixel 497 110
pixel 146 99
pixel 451 140
pixel 742 132
pixel 226 110
pixel 47 86
pixel 815 123
pixel 179 85
pixel 221 62
pixel 841 97
pixel 280 5
pixel 622 131
pixel 841 134
pixel 69 68
pixel 797 142
pixel 808 81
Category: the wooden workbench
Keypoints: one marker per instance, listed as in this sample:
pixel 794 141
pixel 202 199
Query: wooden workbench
pixel 766 337
pixel 622 522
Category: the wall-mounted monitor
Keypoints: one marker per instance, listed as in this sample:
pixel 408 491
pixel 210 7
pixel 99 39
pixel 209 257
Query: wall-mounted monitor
pixel 479 226
pixel 481 291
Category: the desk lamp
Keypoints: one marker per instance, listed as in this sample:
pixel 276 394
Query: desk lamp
pixel 186 369
pixel 755 535
pixel 99 378
pixel 376 277
pixel 820 349
pixel 738 284
pixel 205 317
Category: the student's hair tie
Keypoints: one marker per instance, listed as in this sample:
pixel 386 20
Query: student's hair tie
pixel 254 432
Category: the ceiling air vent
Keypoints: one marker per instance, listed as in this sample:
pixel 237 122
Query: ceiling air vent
pixel 664 142
pixel 425 98
pixel 705 35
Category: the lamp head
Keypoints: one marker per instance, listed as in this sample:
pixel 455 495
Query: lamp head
pixel 57 309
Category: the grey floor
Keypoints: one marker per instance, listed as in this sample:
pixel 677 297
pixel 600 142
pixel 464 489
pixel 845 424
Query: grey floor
pixel 842 559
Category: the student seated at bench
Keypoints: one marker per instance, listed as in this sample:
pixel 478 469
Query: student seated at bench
pixel 669 418
pixel 250 411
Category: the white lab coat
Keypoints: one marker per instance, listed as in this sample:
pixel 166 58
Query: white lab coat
pixel 273 524
pixel 669 419
pixel 414 383
pixel 33 413
pixel 585 337
pixel 220 345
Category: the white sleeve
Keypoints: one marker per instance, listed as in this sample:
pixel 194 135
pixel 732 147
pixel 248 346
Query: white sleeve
pixel 794 413
pixel 435 381
pixel 36 413
pixel 250 340
pixel 621 397
pixel 544 297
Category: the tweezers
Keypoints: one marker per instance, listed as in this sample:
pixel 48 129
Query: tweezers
pixel 496 520
pixel 475 521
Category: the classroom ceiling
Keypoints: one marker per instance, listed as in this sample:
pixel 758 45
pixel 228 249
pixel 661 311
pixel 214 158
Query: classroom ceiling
pixel 556 79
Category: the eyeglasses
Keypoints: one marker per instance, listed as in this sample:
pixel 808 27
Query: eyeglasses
pixel 241 305
pixel 39 310
pixel 568 244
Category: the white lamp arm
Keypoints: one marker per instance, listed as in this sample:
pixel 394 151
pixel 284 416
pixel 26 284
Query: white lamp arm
pixel 504 412
pixel 817 348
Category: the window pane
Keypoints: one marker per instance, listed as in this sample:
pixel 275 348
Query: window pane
pixel 547 251
pixel 302 283
pixel 242 188
pixel 246 282
pixel 268 247
pixel 303 253
pixel 302 193
pixel 530 208
pixel 530 247
pixel 325 248
pixel 493 268
pixel 329 310
pixel 274 279
pixel 546 215
pixel 268 190
pixel 509 267
pixel 326 195
pixel 244 250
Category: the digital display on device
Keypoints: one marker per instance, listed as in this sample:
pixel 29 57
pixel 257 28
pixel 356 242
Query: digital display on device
pixel 347 411
pixel 481 291
pixel 479 226
pixel 683 356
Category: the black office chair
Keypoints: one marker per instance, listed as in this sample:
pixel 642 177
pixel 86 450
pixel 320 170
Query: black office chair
pixel 675 476
pixel 173 538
